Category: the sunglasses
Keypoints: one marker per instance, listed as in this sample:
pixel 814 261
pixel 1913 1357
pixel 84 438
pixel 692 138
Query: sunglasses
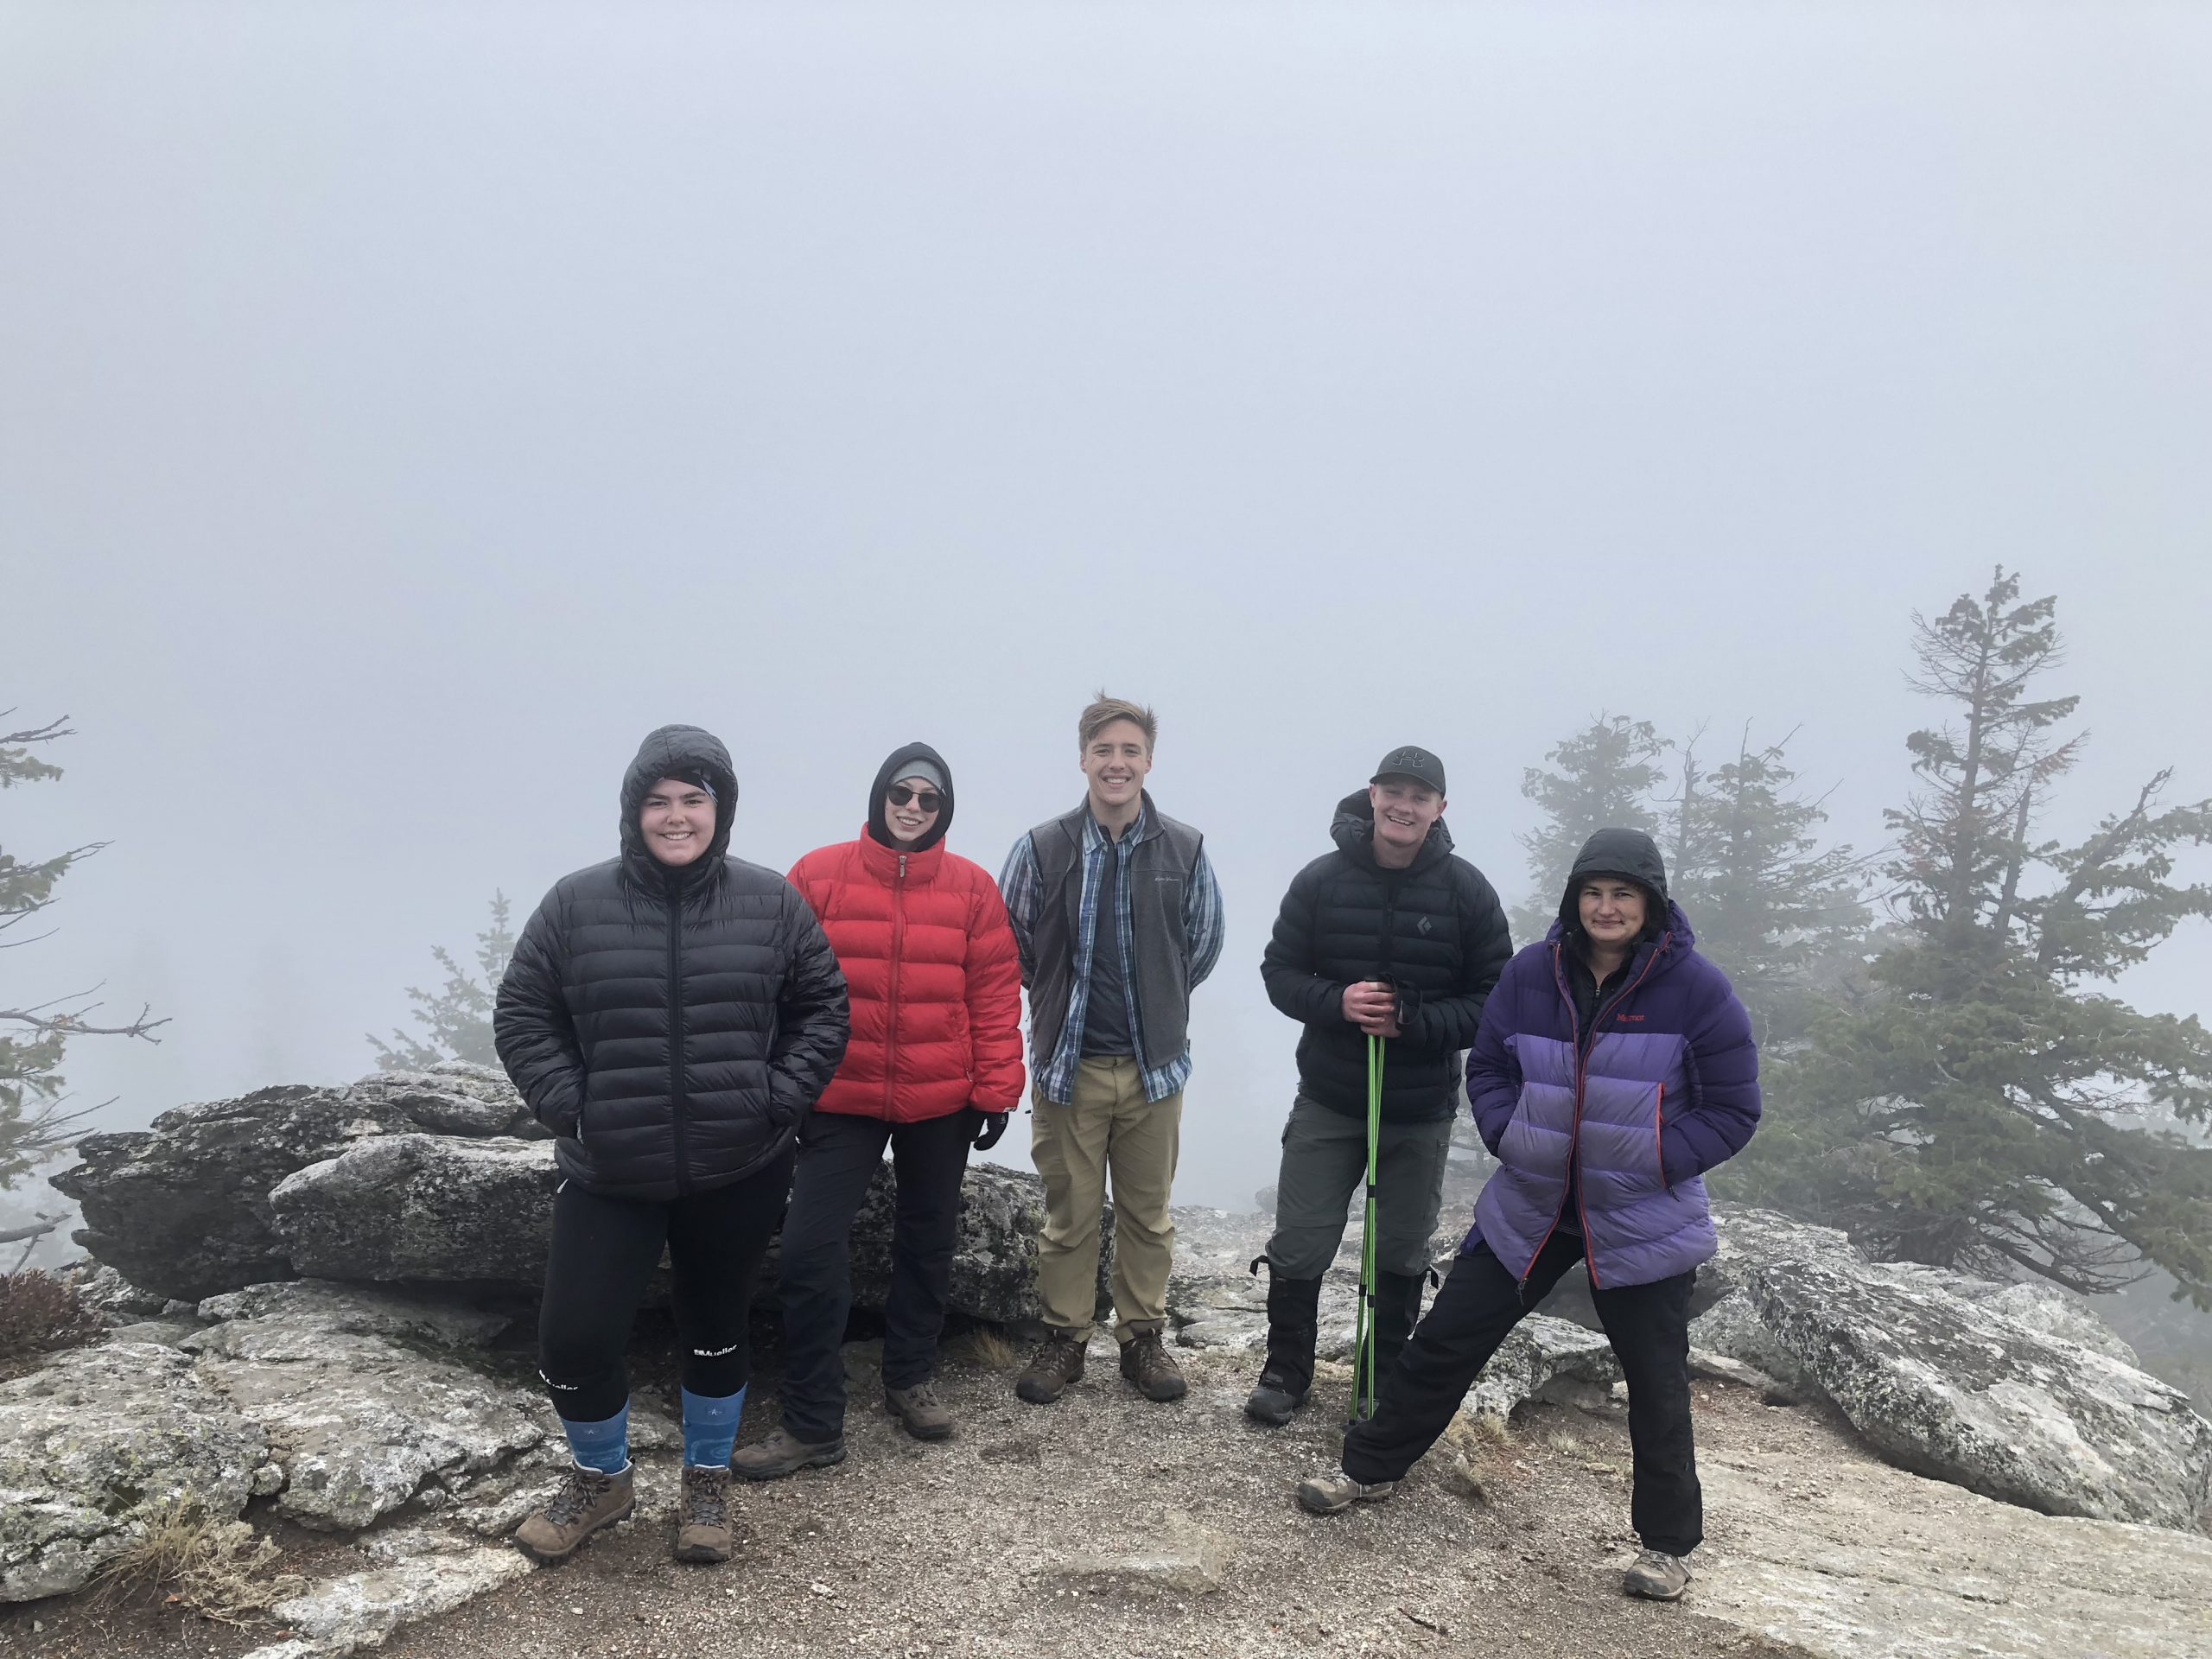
pixel 929 798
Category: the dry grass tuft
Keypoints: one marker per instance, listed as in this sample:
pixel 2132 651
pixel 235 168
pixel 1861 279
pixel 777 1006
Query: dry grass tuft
pixel 219 1569
pixel 40 1314
pixel 988 1348
pixel 1478 1435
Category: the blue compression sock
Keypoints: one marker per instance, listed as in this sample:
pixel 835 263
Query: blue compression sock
pixel 603 1445
pixel 710 1428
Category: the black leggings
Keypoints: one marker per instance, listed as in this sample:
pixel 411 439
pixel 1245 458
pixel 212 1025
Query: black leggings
pixel 1479 1306
pixel 604 1253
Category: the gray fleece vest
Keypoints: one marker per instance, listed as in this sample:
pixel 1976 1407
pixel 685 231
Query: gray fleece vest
pixel 1158 871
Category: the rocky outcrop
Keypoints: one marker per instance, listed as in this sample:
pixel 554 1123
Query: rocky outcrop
pixel 1958 1390
pixel 98 1442
pixel 1832 1555
pixel 181 1208
pixel 436 1178
pixel 422 1209
pixel 365 1397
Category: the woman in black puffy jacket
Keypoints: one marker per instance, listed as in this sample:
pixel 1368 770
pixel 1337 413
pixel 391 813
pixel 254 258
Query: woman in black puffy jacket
pixel 671 1016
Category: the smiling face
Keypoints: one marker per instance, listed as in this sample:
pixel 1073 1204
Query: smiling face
pixel 909 822
pixel 1613 909
pixel 677 821
pixel 1116 760
pixel 1405 811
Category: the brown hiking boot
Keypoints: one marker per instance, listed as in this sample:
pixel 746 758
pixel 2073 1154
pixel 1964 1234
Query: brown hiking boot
pixel 588 1500
pixel 702 1530
pixel 922 1414
pixel 1057 1363
pixel 1146 1362
pixel 782 1454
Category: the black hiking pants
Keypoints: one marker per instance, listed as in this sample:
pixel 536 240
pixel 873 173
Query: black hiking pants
pixel 604 1253
pixel 1478 1309
pixel 838 1155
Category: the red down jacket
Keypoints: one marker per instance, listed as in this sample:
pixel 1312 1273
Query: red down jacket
pixel 936 988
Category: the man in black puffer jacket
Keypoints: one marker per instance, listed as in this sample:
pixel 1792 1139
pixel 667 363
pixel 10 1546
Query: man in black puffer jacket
pixel 1389 935
pixel 670 1015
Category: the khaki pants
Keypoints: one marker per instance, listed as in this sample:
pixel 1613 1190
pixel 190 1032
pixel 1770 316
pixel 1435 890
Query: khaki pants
pixel 1108 1125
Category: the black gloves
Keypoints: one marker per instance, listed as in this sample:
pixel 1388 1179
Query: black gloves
pixel 989 1127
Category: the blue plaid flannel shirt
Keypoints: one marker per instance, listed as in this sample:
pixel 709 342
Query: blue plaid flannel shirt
pixel 1202 925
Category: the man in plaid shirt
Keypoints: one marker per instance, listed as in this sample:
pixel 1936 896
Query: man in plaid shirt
pixel 1118 918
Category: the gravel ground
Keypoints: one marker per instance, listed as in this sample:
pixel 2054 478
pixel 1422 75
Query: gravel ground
pixel 1002 1541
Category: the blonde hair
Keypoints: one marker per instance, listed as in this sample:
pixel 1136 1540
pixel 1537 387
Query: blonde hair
pixel 1104 711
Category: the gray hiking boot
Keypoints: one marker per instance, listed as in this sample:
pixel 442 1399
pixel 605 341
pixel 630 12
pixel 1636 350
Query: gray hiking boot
pixel 588 1500
pixel 1146 1362
pixel 703 1532
pixel 1336 1491
pixel 1656 1576
pixel 782 1454
pixel 919 1411
pixel 1057 1363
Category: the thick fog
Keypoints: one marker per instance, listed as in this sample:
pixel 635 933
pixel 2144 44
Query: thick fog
pixel 404 409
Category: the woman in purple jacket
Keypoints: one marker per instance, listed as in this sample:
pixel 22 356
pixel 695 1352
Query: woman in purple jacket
pixel 1614 1066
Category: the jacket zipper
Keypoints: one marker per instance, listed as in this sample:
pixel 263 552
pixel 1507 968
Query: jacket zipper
pixel 1659 1138
pixel 1574 1129
pixel 898 955
pixel 678 1083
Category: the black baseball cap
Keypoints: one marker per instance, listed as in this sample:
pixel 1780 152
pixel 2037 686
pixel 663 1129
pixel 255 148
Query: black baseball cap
pixel 1412 762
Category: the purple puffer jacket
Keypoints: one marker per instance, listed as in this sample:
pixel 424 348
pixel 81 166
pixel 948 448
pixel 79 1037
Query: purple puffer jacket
pixel 1669 1088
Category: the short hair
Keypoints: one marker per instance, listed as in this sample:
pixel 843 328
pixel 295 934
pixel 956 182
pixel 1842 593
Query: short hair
pixel 1104 711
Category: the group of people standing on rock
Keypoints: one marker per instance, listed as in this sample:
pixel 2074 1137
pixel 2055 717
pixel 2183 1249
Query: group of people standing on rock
pixel 722 1052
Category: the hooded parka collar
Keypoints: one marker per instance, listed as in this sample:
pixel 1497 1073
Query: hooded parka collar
pixel 877 837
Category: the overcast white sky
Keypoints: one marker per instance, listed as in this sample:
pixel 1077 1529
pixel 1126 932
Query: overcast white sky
pixel 405 408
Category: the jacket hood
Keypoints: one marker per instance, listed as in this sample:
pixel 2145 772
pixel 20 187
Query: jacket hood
pixel 1621 852
pixel 891 771
pixel 684 752
pixel 1353 830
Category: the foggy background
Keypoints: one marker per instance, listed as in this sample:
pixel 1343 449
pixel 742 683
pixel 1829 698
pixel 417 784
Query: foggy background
pixel 404 409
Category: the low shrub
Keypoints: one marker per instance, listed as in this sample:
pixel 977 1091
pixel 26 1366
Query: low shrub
pixel 40 1314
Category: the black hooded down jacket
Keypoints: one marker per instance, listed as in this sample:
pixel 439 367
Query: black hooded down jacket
pixel 671 1026
pixel 1434 929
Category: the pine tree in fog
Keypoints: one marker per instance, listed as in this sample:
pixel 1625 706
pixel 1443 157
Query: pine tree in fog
pixel 1600 777
pixel 37 1026
pixel 1991 1104
pixel 455 1019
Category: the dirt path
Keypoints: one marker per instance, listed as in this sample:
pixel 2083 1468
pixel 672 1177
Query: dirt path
pixel 973 1546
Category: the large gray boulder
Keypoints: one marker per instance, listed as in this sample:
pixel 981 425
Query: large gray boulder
pixel 367 1398
pixel 98 1442
pixel 1957 1389
pixel 435 1209
pixel 421 1208
pixel 180 1208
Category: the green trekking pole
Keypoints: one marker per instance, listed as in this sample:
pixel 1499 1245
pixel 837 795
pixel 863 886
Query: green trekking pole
pixel 1364 1352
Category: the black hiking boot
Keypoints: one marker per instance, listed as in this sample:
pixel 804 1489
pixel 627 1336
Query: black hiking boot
pixel 1286 1376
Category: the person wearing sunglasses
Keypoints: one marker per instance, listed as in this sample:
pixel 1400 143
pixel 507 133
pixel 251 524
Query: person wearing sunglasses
pixel 933 1068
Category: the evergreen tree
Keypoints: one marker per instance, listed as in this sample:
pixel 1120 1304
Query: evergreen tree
pixel 1602 777
pixel 1780 913
pixel 35 1034
pixel 1989 1104
pixel 456 1018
